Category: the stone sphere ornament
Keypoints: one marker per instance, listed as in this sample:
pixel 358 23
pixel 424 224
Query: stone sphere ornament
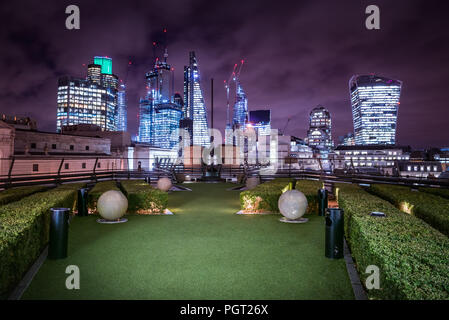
pixel 293 205
pixel 164 184
pixel 112 205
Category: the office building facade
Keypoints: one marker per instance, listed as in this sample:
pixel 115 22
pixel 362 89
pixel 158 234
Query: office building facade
pixel 240 116
pixel 122 109
pixel 375 104
pixel 159 115
pixel 90 101
pixel 319 135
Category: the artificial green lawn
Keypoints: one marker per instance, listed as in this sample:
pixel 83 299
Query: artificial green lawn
pixel 204 251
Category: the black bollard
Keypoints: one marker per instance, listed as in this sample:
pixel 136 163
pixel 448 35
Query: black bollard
pixel 59 231
pixel 82 202
pixel 322 202
pixel 334 233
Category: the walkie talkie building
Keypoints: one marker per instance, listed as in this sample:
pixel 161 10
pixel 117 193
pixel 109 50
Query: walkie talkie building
pixel 375 104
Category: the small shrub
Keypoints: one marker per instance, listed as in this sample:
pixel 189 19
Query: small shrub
pixel 265 196
pixel 143 198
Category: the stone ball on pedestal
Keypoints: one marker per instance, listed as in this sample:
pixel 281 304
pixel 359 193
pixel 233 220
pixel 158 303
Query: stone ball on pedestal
pixel 112 205
pixel 164 184
pixel 292 204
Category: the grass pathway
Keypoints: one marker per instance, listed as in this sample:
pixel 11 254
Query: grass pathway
pixel 204 251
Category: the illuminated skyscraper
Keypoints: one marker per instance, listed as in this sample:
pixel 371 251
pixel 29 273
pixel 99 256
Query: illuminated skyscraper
pixel 94 73
pixel 240 117
pixel 159 115
pixel 105 63
pixel 375 103
pixel 194 106
pixel 319 135
pixel 92 100
pixel 122 109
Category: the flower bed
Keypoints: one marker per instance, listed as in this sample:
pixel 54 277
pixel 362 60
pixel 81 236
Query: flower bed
pixel 411 255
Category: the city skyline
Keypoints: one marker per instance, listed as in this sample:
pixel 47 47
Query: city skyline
pixel 289 72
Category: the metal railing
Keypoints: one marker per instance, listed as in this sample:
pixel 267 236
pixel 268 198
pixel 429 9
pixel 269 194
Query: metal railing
pixel 18 171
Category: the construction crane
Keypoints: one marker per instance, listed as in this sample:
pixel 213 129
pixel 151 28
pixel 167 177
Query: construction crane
pixel 285 127
pixel 237 75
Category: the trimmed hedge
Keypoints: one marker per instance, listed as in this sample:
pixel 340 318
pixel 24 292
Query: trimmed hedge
pixel 143 198
pixel 15 194
pixel 265 196
pixel 412 257
pixel 436 191
pixel 72 186
pixel 24 232
pixel 432 209
pixel 95 193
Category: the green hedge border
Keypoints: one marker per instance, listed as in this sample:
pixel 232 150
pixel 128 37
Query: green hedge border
pixel 431 208
pixel 411 255
pixel 436 191
pixel 15 194
pixel 24 232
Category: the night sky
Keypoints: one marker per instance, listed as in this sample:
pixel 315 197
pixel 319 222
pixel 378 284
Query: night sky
pixel 297 54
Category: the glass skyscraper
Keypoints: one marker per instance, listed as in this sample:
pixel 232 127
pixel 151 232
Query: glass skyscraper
pixel 240 117
pixel 92 100
pixel 159 115
pixel 375 104
pixel 121 109
pixel 319 135
pixel 194 106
